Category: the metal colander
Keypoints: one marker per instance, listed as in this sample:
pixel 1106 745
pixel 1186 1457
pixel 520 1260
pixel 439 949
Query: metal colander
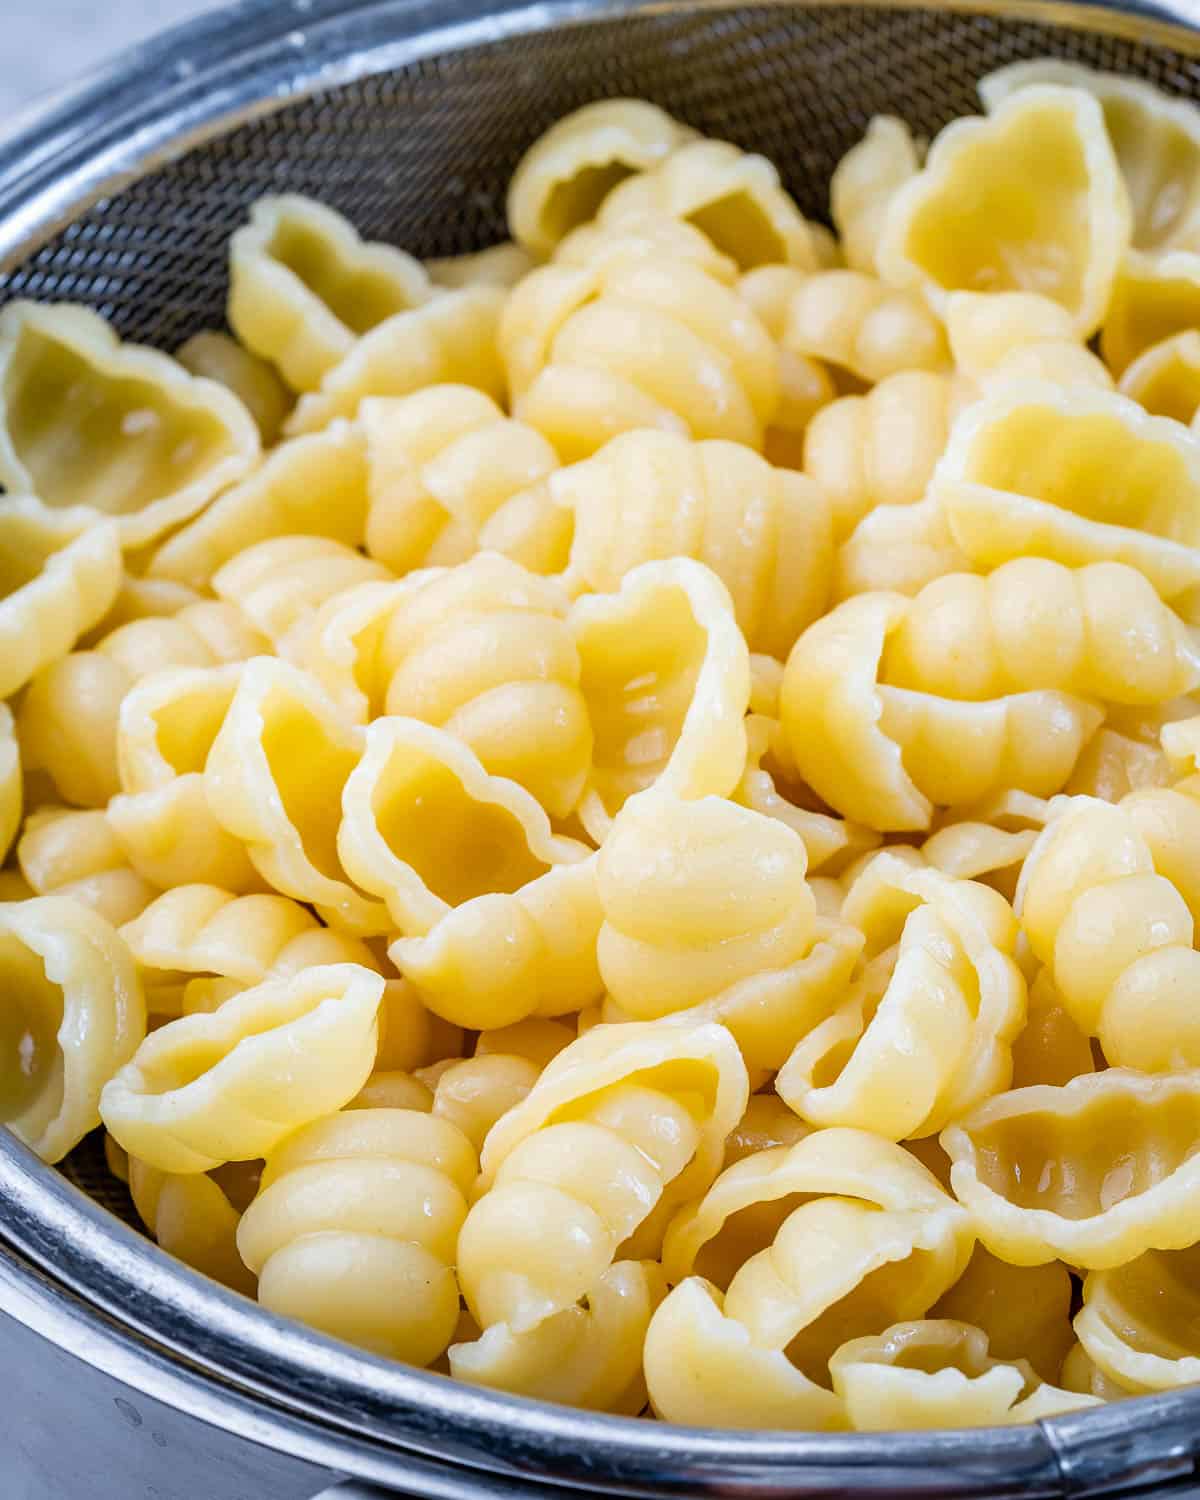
pixel 409 117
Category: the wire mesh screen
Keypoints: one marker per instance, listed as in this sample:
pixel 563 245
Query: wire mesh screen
pixel 421 156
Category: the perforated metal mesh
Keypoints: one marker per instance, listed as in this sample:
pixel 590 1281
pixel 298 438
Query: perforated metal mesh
pixel 421 156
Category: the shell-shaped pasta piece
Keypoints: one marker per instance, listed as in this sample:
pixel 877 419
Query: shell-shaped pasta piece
pixel 354 1228
pixel 633 328
pixel 666 678
pixel 768 1122
pixel 57 580
pixel 938 1373
pixel 885 756
pixel 926 1032
pixel 989 842
pixel 863 326
pixel 619 1121
pixel 474 1092
pixel 280 584
pixel 1080 1373
pixel 216 356
pixel 303 287
pixel 69 717
pixel 449 472
pixel 1156 138
pixel 274 778
pixel 428 830
pixel 1079 476
pixel 192 1219
pixel 733 196
pixel 863 185
pixel 1154 298
pixel 1050 1048
pixel 231 1084
pixel 569 170
pixel 580 1355
pixel 1005 336
pixel 500 265
pixel 1024 1311
pixel 899 548
pixel 12 793
pixel 310 486
pixel 162 819
pixel 764 531
pixel 450 338
pixel 157 443
pixel 500 957
pixel 805 385
pixel 73 1014
pixel 73 854
pixel 847 1232
pixel 142 598
pixel 1093 1173
pixel 1029 198
pixel 1138 1321
pixel 1165 378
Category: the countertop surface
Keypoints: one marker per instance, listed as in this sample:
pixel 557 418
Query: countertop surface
pixel 46 43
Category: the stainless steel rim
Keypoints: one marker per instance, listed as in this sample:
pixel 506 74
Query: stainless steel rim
pixel 276 1378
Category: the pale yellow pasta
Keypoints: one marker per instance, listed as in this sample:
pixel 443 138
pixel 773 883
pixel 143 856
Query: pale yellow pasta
pixel 354 1229
pixel 393 1089
pixel 805 385
pixel 64 852
pixel 899 548
pixel 1137 1325
pixel 73 1013
pixel 1004 336
pixel 764 531
pixel 1080 1373
pixel 1050 1048
pixel 863 326
pixel 303 286
pixel 142 598
pixel 274 777
pixel 622 333
pixel 191 1218
pixel 926 1032
pixel 767 1122
pixel 873 1238
pixel 410 1036
pixel 156 445
pixel 474 1092
pixel 863 185
pixel 989 842
pixel 937 1372
pixel 1165 378
pixel 69 717
pixel 567 173
pixel 1024 1311
pixel 1029 198
pixel 252 380
pixel 231 1084
pixel 452 337
pixel 1093 1173
pixel 12 793
pixel 310 486
pixel 500 265
pixel 450 473
pixel 1114 764
pixel 58 578
pixel 886 756
pixel 1155 297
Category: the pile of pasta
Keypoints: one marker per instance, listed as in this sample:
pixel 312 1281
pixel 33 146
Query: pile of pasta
pixel 619 817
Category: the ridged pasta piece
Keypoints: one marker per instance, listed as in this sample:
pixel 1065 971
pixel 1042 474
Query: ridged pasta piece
pixel 354 1228
pixel 618 1122
pixel 231 1084
pixel 1050 1047
pixel 474 1092
pixel 989 842
pixel 310 486
pixel 886 756
pixel 393 1089
pixel 571 168
pixel 73 1014
pixel 899 549
pixel 157 443
pixel 142 598
pixel 863 185
pixel 805 385
pixel 1080 1373
pixel 764 531
pixel 936 1372
pixel 450 473
pixel 64 852
pixel 280 584
pixel 58 578
pixel 1156 138
pixel 1028 198
pixel 863 326
pixel 1138 1322
pixel 162 818
pixel 1165 378
pixel 637 327
pixel 1093 1173
pixel 1155 297
pixel 863 1235
pixel 767 1123
pixel 1114 764
pixel 1005 336
pixel 192 1219
pixel 666 679
pixel 12 792
pixel 452 337
pixel 216 356
pixel 303 286
pixel 500 265
pixel 69 717
pixel 926 1033
pixel 274 779
pixel 1079 476
pixel 732 196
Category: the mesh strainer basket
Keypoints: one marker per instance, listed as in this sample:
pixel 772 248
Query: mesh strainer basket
pixel 128 1376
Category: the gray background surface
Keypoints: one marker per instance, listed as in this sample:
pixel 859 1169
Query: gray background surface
pixel 46 43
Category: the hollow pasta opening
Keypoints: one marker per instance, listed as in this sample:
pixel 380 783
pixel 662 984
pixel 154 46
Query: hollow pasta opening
pixel 25 548
pixel 31 1013
pixel 574 202
pixel 309 769
pixel 358 297
pixel 186 725
pixel 741 229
